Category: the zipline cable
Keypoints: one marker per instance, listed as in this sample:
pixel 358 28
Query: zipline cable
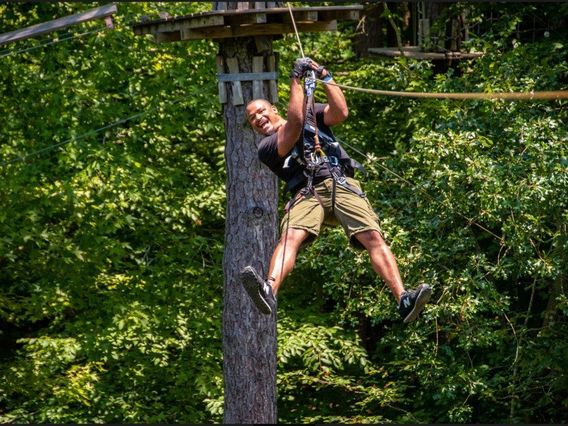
pixel 53 41
pixel 296 30
pixel 89 133
pixel 509 96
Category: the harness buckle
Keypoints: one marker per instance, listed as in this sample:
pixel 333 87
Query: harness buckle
pixel 338 178
pixel 315 159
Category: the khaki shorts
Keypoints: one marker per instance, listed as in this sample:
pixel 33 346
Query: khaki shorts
pixel 353 212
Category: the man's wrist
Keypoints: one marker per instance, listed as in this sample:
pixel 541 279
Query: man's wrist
pixel 327 77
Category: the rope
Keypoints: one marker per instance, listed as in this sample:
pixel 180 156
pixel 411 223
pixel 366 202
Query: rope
pixel 295 29
pixel 285 234
pixel 511 96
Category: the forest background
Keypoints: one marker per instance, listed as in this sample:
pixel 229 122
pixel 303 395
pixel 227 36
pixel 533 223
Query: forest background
pixel 111 230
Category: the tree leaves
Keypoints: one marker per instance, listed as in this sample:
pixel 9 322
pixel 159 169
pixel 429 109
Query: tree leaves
pixel 110 239
pixel 111 235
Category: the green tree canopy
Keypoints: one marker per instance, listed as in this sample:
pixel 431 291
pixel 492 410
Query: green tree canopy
pixel 112 197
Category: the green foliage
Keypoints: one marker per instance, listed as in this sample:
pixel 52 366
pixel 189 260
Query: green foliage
pixel 471 197
pixel 112 233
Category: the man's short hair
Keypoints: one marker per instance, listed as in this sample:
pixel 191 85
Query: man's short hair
pixel 267 102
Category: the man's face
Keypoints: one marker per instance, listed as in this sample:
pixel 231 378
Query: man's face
pixel 263 117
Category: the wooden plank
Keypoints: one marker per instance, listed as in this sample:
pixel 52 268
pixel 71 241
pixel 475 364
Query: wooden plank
pixel 233 65
pixel 423 32
pixel 263 44
pixel 168 37
pixel 272 86
pixel 246 19
pixel 342 15
pixel 307 16
pixel 257 30
pixel 282 11
pixel 58 24
pixel 257 64
pixel 168 27
pixel 416 53
pixel 109 23
pixel 221 86
pixel 178 27
pixel 328 9
pixel 206 21
pixel 248 76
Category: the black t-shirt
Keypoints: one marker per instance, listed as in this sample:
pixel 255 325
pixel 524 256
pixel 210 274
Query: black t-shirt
pixel 290 170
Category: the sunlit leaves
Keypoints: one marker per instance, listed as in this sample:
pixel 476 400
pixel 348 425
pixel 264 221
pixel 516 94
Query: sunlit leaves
pixel 112 231
pixel 103 238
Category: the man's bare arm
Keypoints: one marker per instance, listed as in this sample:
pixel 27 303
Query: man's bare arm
pixel 335 111
pixel 289 133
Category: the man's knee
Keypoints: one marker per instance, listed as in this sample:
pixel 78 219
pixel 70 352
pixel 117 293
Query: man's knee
pixel 294 237
pixel 371 239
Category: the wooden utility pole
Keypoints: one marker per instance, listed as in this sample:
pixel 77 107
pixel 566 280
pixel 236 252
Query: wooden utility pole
pixel 246 70
pixel 249 337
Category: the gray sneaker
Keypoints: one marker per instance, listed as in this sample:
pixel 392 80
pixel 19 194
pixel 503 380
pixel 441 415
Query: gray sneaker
pixel 412 302
pixel 258 289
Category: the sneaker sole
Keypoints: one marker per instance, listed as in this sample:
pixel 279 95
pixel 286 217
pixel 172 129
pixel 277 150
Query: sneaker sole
pixel 250 280
pixel 421 301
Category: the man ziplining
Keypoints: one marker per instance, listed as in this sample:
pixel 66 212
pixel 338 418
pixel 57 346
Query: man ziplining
pixel 302 151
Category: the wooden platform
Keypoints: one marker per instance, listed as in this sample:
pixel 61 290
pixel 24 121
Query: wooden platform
pixel 415 52
pixel 221 24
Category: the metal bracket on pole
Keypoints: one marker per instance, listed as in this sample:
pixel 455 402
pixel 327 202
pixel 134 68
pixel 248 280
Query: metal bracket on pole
pixel 248 76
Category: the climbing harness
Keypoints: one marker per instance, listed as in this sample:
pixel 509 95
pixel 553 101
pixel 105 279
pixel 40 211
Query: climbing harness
pixel 317 150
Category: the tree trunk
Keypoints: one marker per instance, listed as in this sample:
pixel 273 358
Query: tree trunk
pixel 370 29
pixel 251 229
